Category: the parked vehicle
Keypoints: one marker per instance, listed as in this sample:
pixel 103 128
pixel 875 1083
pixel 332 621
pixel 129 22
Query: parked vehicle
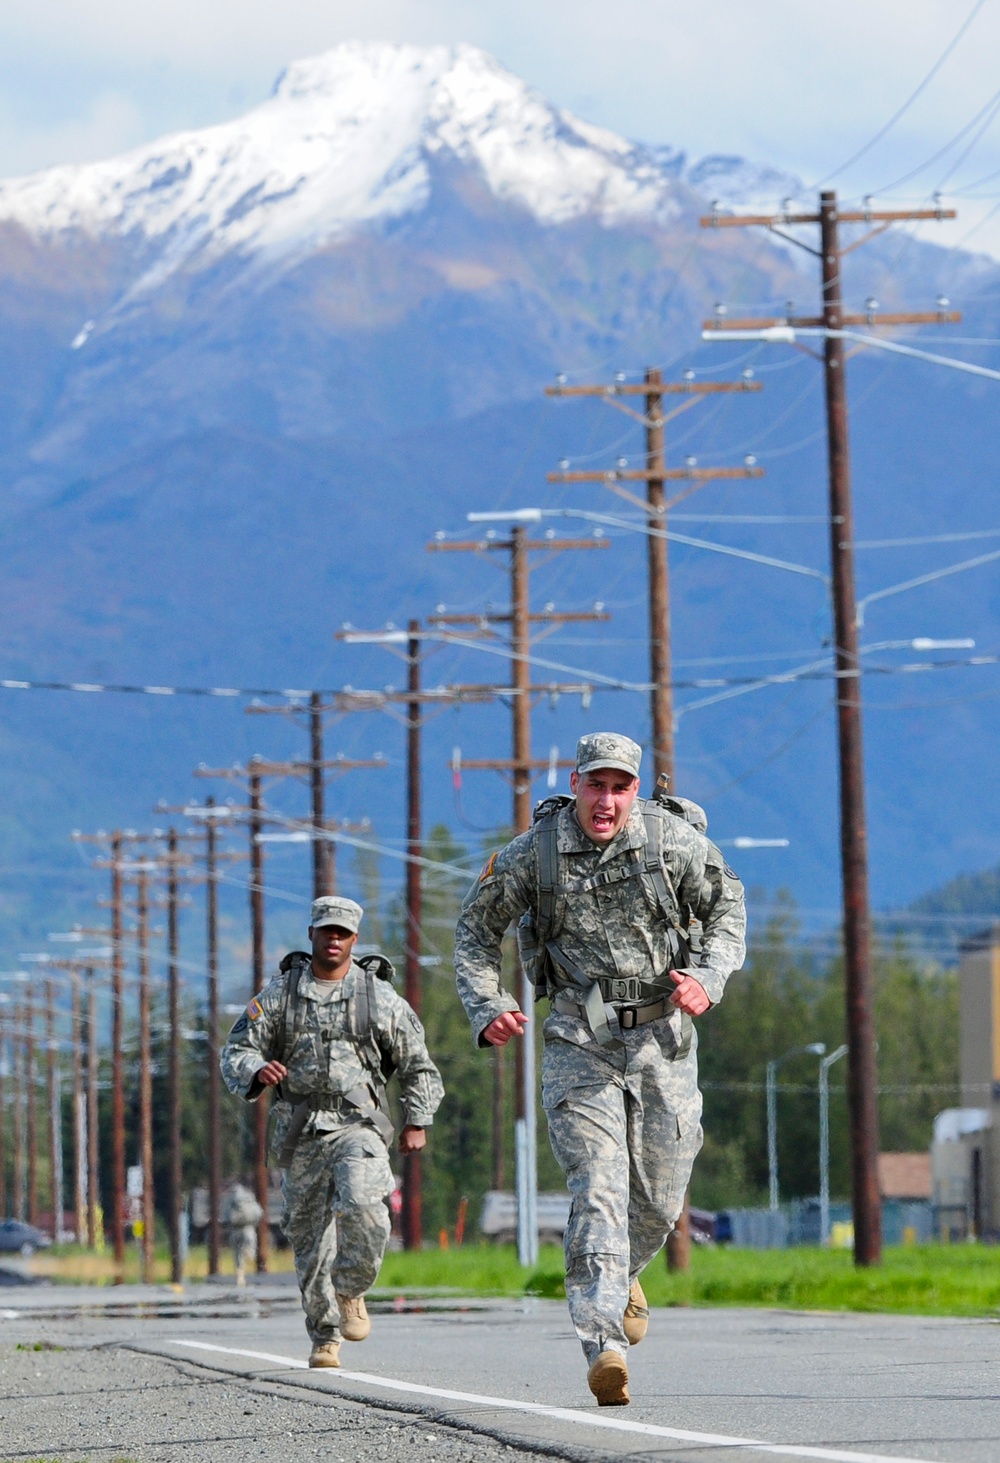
pixel 17 1238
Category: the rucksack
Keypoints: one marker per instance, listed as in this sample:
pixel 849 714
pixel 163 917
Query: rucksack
pixel 364 1036
pixel 364 1031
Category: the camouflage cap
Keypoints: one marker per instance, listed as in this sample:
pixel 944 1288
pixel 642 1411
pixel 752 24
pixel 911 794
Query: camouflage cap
pixel 608 749
pixel 333 910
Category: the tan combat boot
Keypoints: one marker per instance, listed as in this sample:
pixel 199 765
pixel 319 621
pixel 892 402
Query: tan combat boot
pixel 608 1380
pixel 636 1319
pixel 325 1353
pixel 354 1322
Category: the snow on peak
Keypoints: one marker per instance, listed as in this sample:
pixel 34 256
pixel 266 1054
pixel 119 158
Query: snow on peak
pixel 347 138
pixel 738 185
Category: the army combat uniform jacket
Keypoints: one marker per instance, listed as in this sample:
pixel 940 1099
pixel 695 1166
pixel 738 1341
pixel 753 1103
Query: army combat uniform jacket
pixel 327 1061
pixel 611 931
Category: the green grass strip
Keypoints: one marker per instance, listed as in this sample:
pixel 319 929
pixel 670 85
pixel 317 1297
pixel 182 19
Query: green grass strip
pixel 927 1280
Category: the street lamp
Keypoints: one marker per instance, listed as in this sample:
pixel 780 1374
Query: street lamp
pixel 824 1141
pixel 816 1049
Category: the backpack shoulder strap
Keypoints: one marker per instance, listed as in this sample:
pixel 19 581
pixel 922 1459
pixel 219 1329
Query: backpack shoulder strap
pixel 364 1018
pixel 547 860
pixel 364 1009
pixel 655 869
pixel 291 968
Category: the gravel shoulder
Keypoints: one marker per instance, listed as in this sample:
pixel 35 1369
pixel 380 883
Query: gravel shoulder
pixel 113 1404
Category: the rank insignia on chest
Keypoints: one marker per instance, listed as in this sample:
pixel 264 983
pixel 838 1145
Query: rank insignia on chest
pixel 255 1009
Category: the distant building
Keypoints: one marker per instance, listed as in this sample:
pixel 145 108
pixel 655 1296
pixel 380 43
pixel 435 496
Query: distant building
pixel 905 1176
pixel 965 1157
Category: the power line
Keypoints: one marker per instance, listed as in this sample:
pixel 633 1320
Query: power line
pixel 896 116
pixel 987 112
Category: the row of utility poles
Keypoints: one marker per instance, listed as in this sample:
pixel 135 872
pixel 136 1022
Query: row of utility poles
pixel 140 863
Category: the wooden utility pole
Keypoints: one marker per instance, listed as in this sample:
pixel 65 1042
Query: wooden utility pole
pixel 862 1076
pixel 212 1074
pixel 55 1114
pixel 29 1076
pixel 145 1074
pixel 93 1080
pixel 412 1175
pixel 521 767
pixel 324 866
pixel 656 475
pixel 174 1072
pixel 79 1113
pixel 19 1206
pixel 117 1063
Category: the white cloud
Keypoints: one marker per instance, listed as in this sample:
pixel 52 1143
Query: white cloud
pixel 792 82
pixel 109 124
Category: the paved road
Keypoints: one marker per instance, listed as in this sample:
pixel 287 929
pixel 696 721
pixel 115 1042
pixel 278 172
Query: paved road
pixel 462 1382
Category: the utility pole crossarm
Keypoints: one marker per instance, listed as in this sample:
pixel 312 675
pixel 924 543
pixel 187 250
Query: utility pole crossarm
pixel 491 618
pixel 661 475
pixel 668 388
pixel 846 216
pixel 548 545
pixel 814 322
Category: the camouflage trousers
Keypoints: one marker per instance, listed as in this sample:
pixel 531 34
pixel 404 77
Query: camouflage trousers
pixel 625 1127
pixel 336 1219
pixel 243 1243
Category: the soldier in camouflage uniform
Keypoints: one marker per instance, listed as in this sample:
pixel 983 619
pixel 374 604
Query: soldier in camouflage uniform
pixel 628 879
pixel 241 1214
pixel 325 1033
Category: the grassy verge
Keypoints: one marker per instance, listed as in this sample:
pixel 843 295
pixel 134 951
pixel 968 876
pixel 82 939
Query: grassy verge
pixel 75 1265
pixel 932 1280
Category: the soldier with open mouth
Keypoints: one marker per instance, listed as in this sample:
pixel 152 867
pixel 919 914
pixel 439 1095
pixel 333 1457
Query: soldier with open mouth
pixel 630 923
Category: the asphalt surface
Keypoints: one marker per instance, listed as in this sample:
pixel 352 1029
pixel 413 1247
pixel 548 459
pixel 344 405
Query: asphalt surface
pixel 214 1374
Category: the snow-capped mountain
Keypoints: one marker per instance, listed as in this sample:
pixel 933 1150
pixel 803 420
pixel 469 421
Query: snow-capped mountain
pixel 349 138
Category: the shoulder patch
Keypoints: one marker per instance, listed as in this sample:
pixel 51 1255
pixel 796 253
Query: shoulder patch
pixel 255 1009
pixel 240 1025
pixel 488 867
pixel 732 873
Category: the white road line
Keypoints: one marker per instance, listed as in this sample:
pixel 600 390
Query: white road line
pixel 563 1414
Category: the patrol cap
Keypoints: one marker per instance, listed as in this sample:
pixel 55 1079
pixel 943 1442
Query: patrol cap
pixel 608 749
pixel 333 910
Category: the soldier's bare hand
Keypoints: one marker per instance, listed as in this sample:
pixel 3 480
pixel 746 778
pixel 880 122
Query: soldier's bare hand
pixel 412 1139
pixel 500 1031
pixel 690 995
pixel 271 1074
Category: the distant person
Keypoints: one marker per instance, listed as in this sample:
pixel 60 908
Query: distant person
pixel 327 1033
pixel 241 1215
pixel 607 887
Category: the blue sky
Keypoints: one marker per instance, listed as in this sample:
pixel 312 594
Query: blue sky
pixel 797 83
